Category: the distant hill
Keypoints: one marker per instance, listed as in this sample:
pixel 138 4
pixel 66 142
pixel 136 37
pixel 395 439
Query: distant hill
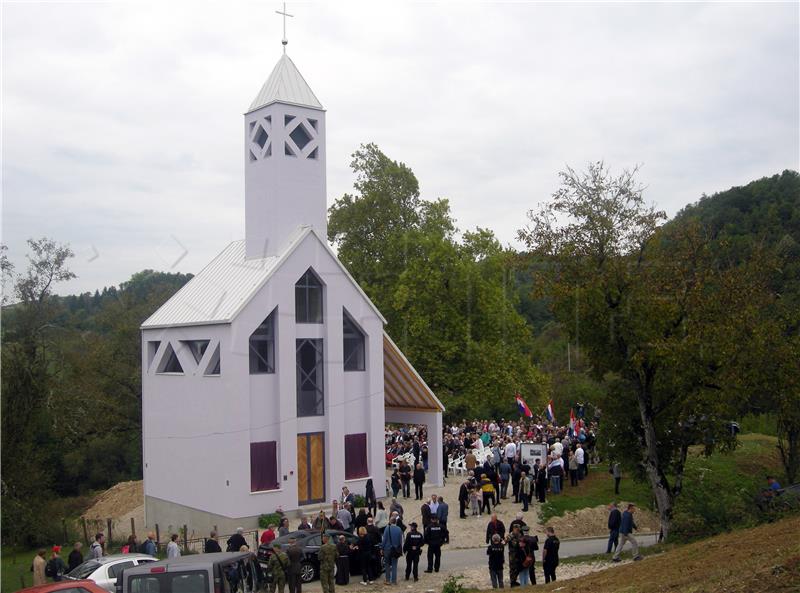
pixel 767 209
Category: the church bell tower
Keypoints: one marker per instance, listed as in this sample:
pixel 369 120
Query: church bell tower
pixel 284 162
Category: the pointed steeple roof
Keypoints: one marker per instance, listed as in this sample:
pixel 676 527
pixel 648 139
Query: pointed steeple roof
pixel 286 85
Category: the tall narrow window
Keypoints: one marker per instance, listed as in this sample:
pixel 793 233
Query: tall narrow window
pixel 263 466
pixel 262 347
pixel 308 298
pixel 353 344
pixel 355 456
pixel 310 386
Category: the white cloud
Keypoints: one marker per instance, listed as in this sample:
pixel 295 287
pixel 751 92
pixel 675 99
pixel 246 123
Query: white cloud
pixel 122 122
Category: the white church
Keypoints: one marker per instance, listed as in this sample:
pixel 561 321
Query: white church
pixel 268 378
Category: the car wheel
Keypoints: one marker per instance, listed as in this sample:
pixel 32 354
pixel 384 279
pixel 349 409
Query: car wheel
pixel 307 572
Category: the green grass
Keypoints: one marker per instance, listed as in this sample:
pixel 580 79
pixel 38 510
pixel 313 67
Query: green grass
pixel 596 489
pixel 15 565
pixel 716 488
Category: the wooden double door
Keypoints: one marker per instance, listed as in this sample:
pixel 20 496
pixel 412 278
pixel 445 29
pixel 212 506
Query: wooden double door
pixel 310 467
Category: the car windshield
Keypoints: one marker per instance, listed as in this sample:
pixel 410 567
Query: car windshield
pixel 84 570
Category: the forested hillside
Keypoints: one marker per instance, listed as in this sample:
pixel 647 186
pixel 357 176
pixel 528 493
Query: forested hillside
pixel 478 320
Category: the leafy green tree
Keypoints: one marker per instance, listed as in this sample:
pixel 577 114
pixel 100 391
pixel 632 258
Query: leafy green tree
pixel 31 365
pixel 450 305
pixel 654 318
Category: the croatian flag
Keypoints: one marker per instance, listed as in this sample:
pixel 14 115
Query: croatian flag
pixel 524 410
pixel 551 416
pixel 572 423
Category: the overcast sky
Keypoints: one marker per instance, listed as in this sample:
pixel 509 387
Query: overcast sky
pixel 123 135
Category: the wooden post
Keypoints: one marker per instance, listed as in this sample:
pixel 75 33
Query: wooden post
pixel 185 539
pixel 133 527
pixel 158 537
pixel 86 534
pixel 108 539
pixel 64 525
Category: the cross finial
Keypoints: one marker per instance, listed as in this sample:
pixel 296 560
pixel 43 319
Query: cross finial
pixel 283 12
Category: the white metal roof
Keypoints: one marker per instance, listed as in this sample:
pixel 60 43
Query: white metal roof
pixel 221 289
pixel 286 85
pixel 216 293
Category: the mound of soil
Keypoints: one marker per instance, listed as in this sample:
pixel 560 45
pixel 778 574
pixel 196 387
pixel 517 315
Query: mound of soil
pixel 594 521
pixel 118 501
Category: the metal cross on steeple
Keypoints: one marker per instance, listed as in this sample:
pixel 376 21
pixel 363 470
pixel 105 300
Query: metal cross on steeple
pixel 284 41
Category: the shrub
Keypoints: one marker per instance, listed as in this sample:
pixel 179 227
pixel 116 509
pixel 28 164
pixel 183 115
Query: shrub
pixel 453 584
pixel 360 501
pixel 268 519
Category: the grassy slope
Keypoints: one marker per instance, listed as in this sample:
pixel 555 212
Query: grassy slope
pixel 765 558
pixel 739 475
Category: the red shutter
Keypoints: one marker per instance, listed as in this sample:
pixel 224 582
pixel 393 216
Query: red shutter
pixel 355 456
pixel 263 466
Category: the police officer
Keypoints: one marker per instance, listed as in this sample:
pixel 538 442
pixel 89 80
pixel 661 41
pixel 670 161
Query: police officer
pixel 277 565
pixel 327 563
pixel 413 549
pixel 434 536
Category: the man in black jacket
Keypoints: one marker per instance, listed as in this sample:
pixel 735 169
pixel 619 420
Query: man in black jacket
pixel 463 499
pixel 419 480
pixel 413 549
pixel 295 555
pixel 550 555
pixel 614 520
pixel 495 527
pixel 236 541
pixel 212 545
pixel 434 537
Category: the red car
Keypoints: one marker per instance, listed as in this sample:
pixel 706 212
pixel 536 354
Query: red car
pixel 65 586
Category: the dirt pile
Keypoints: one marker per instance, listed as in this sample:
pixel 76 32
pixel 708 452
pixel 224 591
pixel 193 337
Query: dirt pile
pixel 594 521
pixel 117 501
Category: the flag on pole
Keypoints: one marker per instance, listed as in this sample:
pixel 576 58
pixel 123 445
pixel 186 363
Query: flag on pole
pixel 524 410
pixel 572 424
pixel 551 416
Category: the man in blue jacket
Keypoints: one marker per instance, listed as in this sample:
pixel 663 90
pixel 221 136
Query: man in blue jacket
pixel 614 521
pixel 441 512
pixel 626 527
pixel 392 546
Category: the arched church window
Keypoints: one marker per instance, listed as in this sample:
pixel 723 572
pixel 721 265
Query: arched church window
pixel 262 347
pixel 354 344
pixel 308 298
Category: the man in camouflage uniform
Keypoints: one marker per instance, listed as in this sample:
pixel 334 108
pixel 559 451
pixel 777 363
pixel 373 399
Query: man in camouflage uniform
pixel 327 561
pixel 515 554
pixel 277 565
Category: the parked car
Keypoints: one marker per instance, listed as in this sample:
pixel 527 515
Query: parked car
pixel 310 542
pixel 104 571
pixel 196 573
pixel 67 586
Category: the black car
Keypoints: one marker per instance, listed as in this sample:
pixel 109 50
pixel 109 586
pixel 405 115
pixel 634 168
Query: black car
pixel 310 542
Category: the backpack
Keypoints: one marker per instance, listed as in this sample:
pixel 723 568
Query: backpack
pixel 50 569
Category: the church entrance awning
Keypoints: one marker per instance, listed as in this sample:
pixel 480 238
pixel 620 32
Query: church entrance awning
pixel 403 388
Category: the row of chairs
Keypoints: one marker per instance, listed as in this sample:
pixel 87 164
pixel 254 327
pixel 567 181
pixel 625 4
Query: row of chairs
pixel 458 465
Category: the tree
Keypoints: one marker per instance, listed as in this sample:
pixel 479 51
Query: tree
pixel 31 363
pixel 652 313
pixel 450 305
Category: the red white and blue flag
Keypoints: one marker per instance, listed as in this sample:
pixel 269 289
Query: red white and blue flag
pixel 573 426
pixel 551 415
pixel 524 410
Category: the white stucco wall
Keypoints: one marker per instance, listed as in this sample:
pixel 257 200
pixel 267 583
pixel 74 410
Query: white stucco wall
pixel 282 191
pixel 198 430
